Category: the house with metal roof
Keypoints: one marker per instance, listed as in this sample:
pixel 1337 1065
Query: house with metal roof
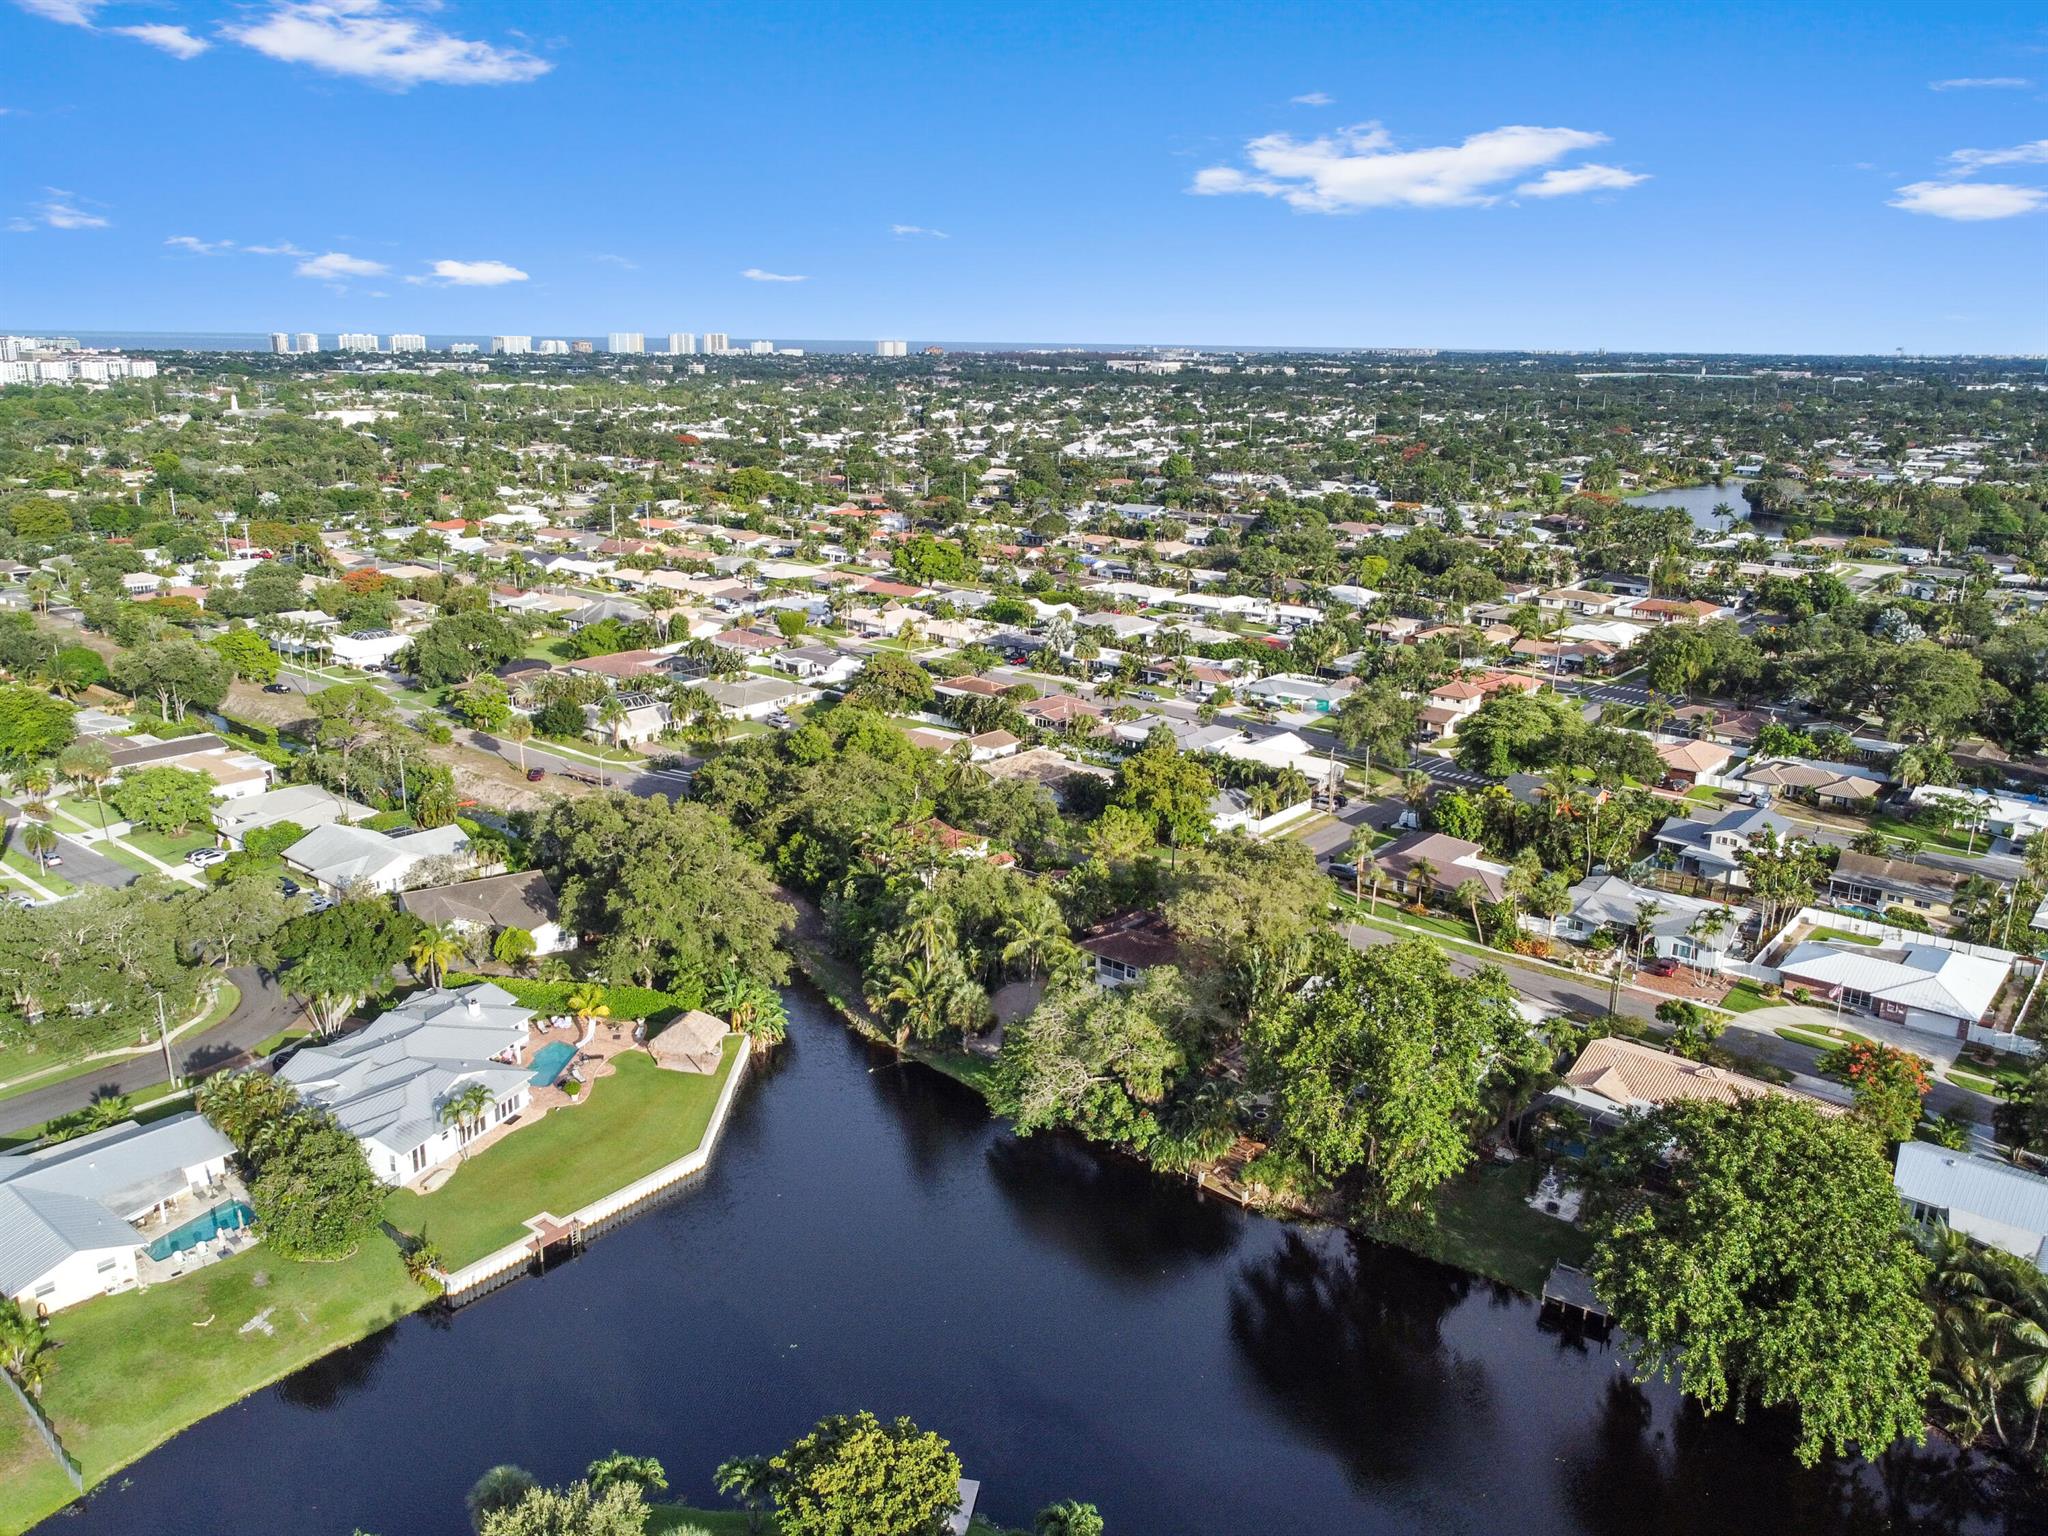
pixel 1926 986
pixel 389 1083
pixel 344 859
pixel 1988 1201
pixel 522 899
pixel 1709 849
pixel 69 1213
pixel 1684 928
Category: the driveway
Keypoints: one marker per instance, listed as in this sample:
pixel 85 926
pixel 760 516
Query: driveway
pixel 265 1009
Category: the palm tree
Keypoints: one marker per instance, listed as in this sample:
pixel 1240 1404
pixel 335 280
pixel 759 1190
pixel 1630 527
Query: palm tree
pixel 1422 875
pixel 432 952
pixel 1415 785
pixel 1647 913
pixel 752 1482
pixel 465 1110
pixel 921 988
pixel 928 924
pixel 1469 892
pixel 23 1348
pixel 87 765
pixel 588 1003
pixel 39 843
pixel 1037 936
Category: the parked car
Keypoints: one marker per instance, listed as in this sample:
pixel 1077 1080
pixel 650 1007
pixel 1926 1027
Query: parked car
pixel 1663 965
pixel 287 885
pixel 319 903
pixel 52 860
pixel 277 687
pixel 535 775
pixel 200 858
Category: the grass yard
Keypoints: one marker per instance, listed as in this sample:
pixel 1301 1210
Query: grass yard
pixel 1744 997
pixel 1483 1225
pixel 135 1369
pixel 1842 936
pixel 277 1042
pixel 172 850
pixel 1971 1081
pixel 29 1474
pixel 1810 1037
pixel 1927 836
pixel 634 1121
pixel 49 880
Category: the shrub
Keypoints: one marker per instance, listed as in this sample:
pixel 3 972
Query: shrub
pixel 626 1003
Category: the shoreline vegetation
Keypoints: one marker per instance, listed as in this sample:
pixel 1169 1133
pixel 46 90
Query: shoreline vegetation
pixel 134 1370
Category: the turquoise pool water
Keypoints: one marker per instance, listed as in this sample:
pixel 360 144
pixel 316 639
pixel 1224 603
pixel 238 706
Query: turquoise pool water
pixel 231 1217
pixel 551 1060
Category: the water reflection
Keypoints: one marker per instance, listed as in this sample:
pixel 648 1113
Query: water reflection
pixel 323 1384
pixel 1347 1337
pixel 1111 1212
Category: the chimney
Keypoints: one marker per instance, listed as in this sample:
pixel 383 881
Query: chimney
pixel 475 1008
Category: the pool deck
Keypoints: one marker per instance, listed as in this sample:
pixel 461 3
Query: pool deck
pixel 226 1245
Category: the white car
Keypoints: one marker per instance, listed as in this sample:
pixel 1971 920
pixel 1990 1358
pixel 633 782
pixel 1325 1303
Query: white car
pixel 200 858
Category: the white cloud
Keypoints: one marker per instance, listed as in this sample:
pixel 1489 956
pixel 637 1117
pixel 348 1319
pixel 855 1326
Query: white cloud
pixel 282 248
pixel 370 40
pixel 1970 201
pixel 911 231
pixel 1981 83
pixel 625 263
pixel 60 212
pixel 1313 99
pixel 472 274
pixel 756 275
pixel 338 264
pixel 1968 162
pixel 72 13
pixel 1359 167
pixel 1581 178
pixel 175 41
pixel 199 247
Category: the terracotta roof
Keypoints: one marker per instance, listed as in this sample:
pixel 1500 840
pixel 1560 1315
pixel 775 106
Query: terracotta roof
pixel 1137 939
pixel 1634 1076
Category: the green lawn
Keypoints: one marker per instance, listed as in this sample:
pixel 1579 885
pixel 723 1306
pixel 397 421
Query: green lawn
pixel 548 648
pixel 1744 997
pixel 172 850
pixel 1389 914
pixel 49 880
pixel 1793 1032
pixel 29 1474
pixel 733 1522
pixel 278 1041
pixel 1927 836
pixel 1483 1225
pixel 1842 936
pixel 134 1369
pixel 635 1121
pixel 1974 1083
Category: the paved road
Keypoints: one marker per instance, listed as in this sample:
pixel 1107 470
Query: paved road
pixel 1590 997
pixel 85 866
pixel 264 1010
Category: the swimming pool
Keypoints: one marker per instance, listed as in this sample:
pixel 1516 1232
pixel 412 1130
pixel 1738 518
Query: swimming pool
pixel 230 1217
pixel 551 1060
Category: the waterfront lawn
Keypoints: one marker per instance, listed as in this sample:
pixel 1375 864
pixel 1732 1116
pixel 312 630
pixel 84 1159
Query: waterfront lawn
pixel 132 1370
pixel 635 1120
pixel 1483 1225
pixel 29 1475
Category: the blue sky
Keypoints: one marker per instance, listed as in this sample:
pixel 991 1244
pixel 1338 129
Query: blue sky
pixel 1716 177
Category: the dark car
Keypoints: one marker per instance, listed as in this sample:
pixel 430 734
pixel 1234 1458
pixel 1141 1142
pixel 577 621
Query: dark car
pixel 277 687
pixel 1663 965
pixel 287 885
pixel 535 775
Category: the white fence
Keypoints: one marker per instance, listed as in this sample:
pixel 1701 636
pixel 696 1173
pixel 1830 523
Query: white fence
pixel 514 1257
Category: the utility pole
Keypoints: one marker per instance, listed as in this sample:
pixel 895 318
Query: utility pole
pixel 163 1033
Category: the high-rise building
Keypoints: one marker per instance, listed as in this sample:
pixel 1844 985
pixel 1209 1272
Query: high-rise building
pixel 625 342
pixel 280 341
pixel 512 346
pixel 309 341
pixel 892 349
pixel 408 341
pixel 581 347
pixel 681 343
pixel 554 346
pixel 356 341
pixel 463 348
pixel 761 348
pixel 717 343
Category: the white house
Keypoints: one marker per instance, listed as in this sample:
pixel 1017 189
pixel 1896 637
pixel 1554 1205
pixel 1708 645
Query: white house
pixel 823 665
pixel 389 1083
pixel 68 1212
pixel 1987 1200
pixel 1683 928
pixel 1923 983
pixel 303 805
pixel 366 648
pixel 355 858
pixel 756 698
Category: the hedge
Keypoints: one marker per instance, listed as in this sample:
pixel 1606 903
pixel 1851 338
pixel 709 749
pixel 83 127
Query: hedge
pixel 625 1002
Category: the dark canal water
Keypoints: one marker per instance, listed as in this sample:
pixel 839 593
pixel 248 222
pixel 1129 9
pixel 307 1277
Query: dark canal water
pixel 867 1237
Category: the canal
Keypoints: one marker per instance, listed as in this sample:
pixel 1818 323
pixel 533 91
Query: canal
pixel 1078 1327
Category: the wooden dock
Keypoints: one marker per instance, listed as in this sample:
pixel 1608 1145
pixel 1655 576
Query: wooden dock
pixel 1571 1290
